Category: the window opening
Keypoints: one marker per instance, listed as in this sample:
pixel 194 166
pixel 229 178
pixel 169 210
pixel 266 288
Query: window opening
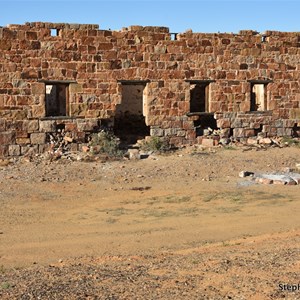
pixel 130 123
pixel 258 97
pixel 199 97
pixel 54 32
pixel 173 36
pixel 56 99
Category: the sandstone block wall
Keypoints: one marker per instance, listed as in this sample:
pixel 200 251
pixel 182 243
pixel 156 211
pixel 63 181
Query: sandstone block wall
pixel 93 63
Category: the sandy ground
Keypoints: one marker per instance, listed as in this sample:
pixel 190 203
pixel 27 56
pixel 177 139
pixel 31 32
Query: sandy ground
pixel 180 226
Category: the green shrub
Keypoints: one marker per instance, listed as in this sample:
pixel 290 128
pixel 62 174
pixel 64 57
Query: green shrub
pixel 156 144
pixel 105 142
pixel 289 141
pixel 229 147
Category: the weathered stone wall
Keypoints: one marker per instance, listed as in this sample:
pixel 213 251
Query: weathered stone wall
pixel 93 63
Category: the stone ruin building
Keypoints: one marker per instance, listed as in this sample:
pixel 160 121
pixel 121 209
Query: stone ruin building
pixel 144 81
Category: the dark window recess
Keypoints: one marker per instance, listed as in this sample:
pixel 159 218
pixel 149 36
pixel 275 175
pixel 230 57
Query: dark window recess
pixel 56 99
pixel 296 130
pixel 199 95
pixel 205 121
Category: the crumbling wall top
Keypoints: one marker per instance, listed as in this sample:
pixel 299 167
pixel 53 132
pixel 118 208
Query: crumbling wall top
pixel 150 29
pixel 158 29
pixel 248 32
pixel 281 33
pixel 50 25
pixel 75 26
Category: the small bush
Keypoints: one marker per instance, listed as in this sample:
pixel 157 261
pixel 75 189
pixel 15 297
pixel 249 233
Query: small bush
pixel 5 285
pixel 156 144
pixel 289 141
pixel 2 269
pixel 105 142
pixel 228 147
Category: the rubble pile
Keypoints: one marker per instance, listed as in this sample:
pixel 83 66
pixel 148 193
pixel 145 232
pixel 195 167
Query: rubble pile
pixel 214 137
pixel 60 142
pixel 289 177
pixel 283 179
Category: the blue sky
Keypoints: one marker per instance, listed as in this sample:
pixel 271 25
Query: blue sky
pixel 200 16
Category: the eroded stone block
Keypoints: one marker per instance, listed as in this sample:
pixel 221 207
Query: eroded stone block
pixel 7 138
pixel 47 125
pixel 14 150
pixel 38 138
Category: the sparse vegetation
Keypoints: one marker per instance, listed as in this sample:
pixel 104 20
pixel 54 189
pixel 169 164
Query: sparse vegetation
pixel 5 285
pixel 118 211
pixel 288 141
pixel 2 269
pixel 225 244
pixel 156 144
pixel 190 211
pixel 235 197
pixel 174 199
pixel 229 147
pixel 111 220
pixel 159 212
pixel 130 224
pixel 208 198
pixel 105 142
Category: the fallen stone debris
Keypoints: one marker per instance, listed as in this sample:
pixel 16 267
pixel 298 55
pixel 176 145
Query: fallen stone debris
pixel 261 143
pixel 284 179
pixel 288 178
pixel 215 138
pixel 60 146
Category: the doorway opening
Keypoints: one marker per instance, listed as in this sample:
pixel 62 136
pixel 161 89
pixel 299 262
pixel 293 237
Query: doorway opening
pixel 130 124
pixel 56 99
pixel 200 105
